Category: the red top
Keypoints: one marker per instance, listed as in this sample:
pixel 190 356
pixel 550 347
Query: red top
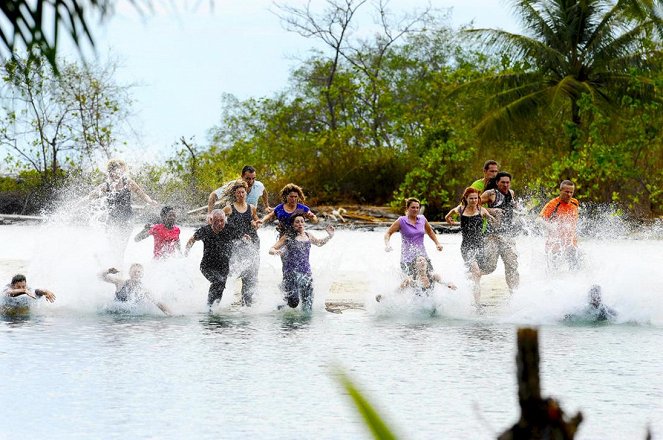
pixel 165 240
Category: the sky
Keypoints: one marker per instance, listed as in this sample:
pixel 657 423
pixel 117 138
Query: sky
pixel 183 59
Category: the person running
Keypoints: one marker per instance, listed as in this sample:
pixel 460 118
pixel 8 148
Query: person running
pixel 166 234
pixel 243 219
pixel 412 226
pixel 17 296
pixel 117 191
pixel 215 264
pixel 285 212
pixel 500 241
pixel 490 170
pixel 255 191
pixel 132 291
pixel 561 219
pixel 472 249
pixel 297 275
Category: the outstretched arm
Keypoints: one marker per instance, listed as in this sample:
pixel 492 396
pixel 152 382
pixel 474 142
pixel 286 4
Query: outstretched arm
pixel 268 217
pixel 322 241
pixel 438 279
pixel 139 191
pixel 144 233
pixel 50 296
pixel 429 231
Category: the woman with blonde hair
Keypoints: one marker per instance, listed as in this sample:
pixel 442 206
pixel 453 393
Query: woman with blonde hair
pixel 117 190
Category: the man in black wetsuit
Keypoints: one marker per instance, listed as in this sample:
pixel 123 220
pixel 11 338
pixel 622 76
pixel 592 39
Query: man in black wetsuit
pixel 215 264
pixel 500 241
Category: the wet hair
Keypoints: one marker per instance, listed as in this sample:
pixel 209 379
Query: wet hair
pixel 165 210
pixel 566 183
pixel 488 163
pixel 114 164
pixel 594 294
pixel 18 278
pixel 466 193
pixel 237 185
pixel 501 174
pixel 215 212
pixel 248 169
pixel 291 187
pixel 410 201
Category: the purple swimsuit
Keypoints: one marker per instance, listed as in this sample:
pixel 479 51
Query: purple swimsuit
pixel 412 238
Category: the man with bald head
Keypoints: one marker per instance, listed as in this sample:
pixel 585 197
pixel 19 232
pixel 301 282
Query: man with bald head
pixel 215 264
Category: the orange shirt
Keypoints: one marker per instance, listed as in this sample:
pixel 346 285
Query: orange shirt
pixel 563 218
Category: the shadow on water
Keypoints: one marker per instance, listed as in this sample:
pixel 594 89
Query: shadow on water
pixel 17 319
pixel 295 320
pixel 218 323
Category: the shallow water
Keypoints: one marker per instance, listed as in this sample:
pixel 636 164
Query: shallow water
pixel 72 371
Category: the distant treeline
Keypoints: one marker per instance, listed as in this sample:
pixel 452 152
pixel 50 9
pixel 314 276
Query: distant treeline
pixel 414 110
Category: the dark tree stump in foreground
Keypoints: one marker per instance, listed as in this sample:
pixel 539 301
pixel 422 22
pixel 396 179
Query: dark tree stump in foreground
pixel 540 418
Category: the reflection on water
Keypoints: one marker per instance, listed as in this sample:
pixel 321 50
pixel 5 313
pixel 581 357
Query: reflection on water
pixel 265 373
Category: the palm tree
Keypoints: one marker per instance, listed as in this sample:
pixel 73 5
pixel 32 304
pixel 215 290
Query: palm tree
pixel 600 48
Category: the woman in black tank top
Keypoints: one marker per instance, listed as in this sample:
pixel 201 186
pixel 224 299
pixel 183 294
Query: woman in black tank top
pixel 472 216
pixel 243 221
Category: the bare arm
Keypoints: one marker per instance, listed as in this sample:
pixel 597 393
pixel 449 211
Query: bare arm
pixel 144 233
pixel 109 276
pixel 50 296
pixel 449 217
pixel 487 196
pixel 395 227
pixel 268 217
pixel 211 201
pixel 139 191
pixel 265 201
pixel 322 241
pixel 276 249
pixel 311 217
pixel 438 279
pixel 432 235
pixel 486 214
pixel 189 245
pixel 18 292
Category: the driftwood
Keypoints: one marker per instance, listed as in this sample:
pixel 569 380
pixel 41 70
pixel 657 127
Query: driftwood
pixel 540 418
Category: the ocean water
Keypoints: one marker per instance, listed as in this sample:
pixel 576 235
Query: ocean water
pixel 434 367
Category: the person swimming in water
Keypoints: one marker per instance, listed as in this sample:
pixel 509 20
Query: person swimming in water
pixel 422 280
pixel 595 310
pixel 132 290
pixel 17 296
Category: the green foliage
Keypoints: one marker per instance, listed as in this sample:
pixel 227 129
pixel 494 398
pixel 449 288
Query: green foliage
pixel 374 422
pixel 441 172
pixel 569 49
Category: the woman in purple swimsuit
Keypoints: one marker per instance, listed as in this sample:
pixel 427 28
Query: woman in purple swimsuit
pixel 412 227
pixel 297 275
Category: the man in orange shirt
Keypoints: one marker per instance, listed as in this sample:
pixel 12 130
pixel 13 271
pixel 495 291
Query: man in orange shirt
pixel 561 218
